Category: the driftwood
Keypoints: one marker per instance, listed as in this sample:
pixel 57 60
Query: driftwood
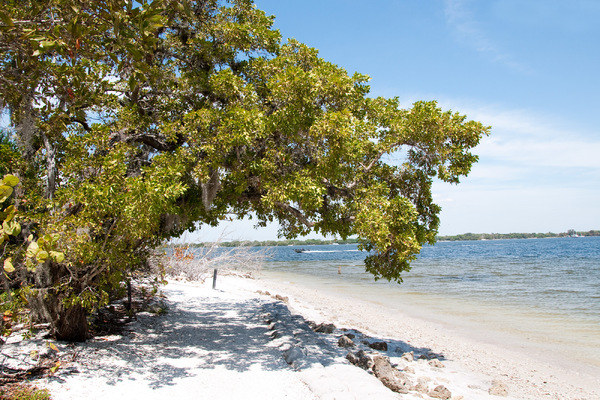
pixel 12 375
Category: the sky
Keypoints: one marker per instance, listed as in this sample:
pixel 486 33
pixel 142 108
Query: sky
pixel 529 69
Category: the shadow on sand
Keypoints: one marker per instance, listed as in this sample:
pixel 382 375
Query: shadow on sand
pixel 211 333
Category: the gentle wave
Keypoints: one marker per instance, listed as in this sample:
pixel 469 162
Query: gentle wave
pixel 545 290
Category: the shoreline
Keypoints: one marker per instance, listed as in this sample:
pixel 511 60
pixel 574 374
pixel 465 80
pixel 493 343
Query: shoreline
pixel 554 337
pixel 527 367
pixel 234 342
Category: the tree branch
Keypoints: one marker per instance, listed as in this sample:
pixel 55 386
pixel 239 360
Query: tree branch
pixel 297 213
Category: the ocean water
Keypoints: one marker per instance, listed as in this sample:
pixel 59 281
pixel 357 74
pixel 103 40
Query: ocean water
pixel 542 293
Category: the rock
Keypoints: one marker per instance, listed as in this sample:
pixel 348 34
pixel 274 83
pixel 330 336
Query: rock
pixel 360 359
pixel 279 297
pixel 436 363
pixel 381 346
pixel 293 356
pixel 424 380
pixel 498 388
pixel 350 335
pixel 440 392
pixel 392 378
pixel 157 307
pixel 420 387
pixel 345 341
pixel 430 356
pixel 324 328
pixel 275 335
pixel 410 357
pixel 353 358
pixel 409 370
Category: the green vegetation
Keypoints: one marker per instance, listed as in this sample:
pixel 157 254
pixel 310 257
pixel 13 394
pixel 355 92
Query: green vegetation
pixel 23 392
pixel 464 236
pixel 291 242
pixel 492 236
pixel 132 122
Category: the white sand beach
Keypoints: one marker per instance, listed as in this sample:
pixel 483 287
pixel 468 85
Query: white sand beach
pixel 240 342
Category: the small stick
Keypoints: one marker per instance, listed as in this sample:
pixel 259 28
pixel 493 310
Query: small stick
pixel 215 279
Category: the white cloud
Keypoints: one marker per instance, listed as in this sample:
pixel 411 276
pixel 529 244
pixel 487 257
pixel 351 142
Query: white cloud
pixel 536 173
pixel 522 139
pixel 555 153
pixel 461 19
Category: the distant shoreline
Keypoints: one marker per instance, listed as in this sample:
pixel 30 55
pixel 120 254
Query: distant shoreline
pixel 497 236
pixel 447 238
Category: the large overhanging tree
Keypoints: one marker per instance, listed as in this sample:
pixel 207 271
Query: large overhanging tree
pixel 135 122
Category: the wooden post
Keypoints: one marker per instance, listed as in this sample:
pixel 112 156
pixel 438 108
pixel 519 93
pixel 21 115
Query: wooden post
pixel 128 305
pixel 215 279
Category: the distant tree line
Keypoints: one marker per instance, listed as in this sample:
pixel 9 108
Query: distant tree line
pixel 495 236
pixel 292 242
pixel 464 236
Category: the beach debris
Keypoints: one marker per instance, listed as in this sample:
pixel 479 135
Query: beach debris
pixel 381 346
pixel 410 356
pixel 436 363
pixel 392 378
pixel 345 341
pixel 440 392
pixel 360 359
pixel 498 388
pixel 324 328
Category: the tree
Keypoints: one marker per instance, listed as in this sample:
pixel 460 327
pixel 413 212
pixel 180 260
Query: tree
pixel 138 122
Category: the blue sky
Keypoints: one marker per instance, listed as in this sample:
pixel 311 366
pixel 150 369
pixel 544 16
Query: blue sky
pixel 530 69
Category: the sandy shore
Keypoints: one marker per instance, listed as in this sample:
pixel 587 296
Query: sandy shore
pixel 472 359
pixel 240 342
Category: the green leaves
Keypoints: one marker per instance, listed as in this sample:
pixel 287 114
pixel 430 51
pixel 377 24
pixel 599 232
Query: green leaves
pixel 6 189
pixel 12 228
pixel 154 117
pixel 10 180
pixel 32 250
pixel 40 251
pixel 5 192
pixel 8 266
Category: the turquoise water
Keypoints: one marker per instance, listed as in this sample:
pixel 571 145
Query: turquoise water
pixel 543 291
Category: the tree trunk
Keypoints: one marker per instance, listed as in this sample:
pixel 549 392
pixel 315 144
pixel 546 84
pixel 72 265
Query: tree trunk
pixel 46 304
pixel 68 324
pixel 50 167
